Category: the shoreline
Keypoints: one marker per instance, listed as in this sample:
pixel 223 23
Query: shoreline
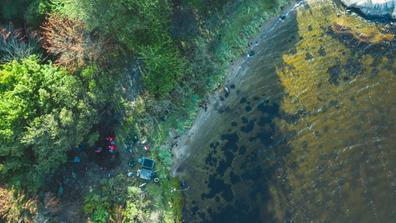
pixel 232 75
pixel 194 148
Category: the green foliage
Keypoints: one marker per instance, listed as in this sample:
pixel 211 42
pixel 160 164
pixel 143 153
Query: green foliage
pixel 45 112
pixel 142 27
pixel 96 206
pixel 137 208
pixel 68 8
pixel 102 89
pixel 30 11
pixel 93 201
pixel 206 7
pixel 13 9
pixel 132 22
pixel 165 156
pixel 100 216
pixel 177 201
pixel 36 12
pixel 14 46
pixel 92 138
pixel 163 68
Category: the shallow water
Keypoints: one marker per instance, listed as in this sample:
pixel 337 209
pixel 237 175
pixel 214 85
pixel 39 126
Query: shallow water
pixel 308 132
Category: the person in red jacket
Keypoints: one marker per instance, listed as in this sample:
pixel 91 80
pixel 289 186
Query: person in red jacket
pixel 112 148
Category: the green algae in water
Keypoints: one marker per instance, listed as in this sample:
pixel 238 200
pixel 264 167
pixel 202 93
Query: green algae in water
pixel 343 153
pixel 310 133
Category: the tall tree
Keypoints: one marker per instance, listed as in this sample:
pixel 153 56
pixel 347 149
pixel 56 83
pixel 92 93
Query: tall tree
pixel 45 111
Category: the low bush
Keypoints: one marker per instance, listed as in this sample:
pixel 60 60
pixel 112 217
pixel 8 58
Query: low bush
pixel 100 216
pixel 97 207
pixel 137 208
pixel 164 66
pixel 15 207
pixel 16 46
pixel 68 40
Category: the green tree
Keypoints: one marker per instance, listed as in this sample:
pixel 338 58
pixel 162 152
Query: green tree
pixel 45 111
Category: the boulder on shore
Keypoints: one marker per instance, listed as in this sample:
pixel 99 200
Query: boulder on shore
pixel 375 8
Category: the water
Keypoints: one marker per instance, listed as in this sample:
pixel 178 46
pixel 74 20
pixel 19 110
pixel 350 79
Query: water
pixel 308 133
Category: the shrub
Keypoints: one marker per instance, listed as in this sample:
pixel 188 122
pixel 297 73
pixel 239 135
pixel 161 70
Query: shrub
pixel 96 206
pixel 100 216
pixel 163 68
pixel 69 41
pixel 165 155
pixel 14 207
pixel 65 39
pixel 15 46
pixel 137 208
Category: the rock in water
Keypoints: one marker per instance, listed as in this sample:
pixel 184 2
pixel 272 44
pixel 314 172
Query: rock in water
pixel 376 8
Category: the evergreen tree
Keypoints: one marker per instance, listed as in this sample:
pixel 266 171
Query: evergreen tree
pixel 45 112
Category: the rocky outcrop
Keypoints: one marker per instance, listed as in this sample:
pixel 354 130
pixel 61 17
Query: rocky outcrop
pixel 374 8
